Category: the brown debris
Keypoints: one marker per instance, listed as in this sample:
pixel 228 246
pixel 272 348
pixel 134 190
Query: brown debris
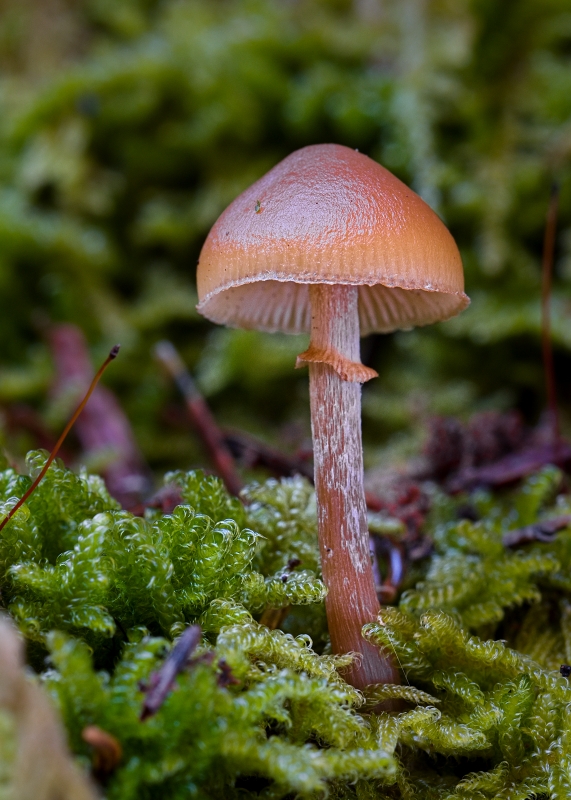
pixel 444 447
pixel 394 553
pixel 273 618
pixel 546 292
pixel 165 500
pixel 454 448
pixel 225 675
pixel 200 416
pixel 492 449
pixel 490 436
pixel 512 468
pixel 44 768
pixel 161 683
pixel 252 453
pixel 20 417
pixel 543 531
pixel 103 426
pixel 405 500
pixel 107 751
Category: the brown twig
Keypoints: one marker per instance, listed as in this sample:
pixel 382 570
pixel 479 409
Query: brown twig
pixel 509 469
pixel 200 415
pixel 546 342
pixel 254 453
pixel 162 682
pixel 543 531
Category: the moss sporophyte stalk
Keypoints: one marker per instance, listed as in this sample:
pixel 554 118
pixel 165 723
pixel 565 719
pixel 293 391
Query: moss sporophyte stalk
pixel 114 352
pixel 103 594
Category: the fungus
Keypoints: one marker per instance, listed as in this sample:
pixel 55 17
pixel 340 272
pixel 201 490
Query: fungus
pixel 329 242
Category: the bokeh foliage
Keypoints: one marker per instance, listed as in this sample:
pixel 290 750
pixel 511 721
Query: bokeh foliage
pixel 127 126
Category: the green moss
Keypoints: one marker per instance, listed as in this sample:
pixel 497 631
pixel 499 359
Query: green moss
pixel 74 561
pixel 472 573
pixel 482 719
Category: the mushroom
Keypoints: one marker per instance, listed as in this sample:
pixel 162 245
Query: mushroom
pixel 328 241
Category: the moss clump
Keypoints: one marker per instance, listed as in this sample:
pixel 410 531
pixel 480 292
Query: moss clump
pixel 75 561
pixel 102 594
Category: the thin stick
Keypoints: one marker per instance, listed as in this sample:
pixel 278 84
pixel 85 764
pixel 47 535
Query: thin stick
pixel 111 357
pixel 543 531
pixel 162 682
pixel 252 452
pixel 546 343
pixel 201 416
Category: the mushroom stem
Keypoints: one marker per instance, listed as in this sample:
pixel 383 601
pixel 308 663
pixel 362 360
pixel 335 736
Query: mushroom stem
pixel 338 457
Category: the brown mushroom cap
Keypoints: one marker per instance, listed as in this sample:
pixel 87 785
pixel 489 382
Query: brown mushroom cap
pixel 328 214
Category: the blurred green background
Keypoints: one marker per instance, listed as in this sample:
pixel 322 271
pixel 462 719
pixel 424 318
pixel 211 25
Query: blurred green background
pixel 127 126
